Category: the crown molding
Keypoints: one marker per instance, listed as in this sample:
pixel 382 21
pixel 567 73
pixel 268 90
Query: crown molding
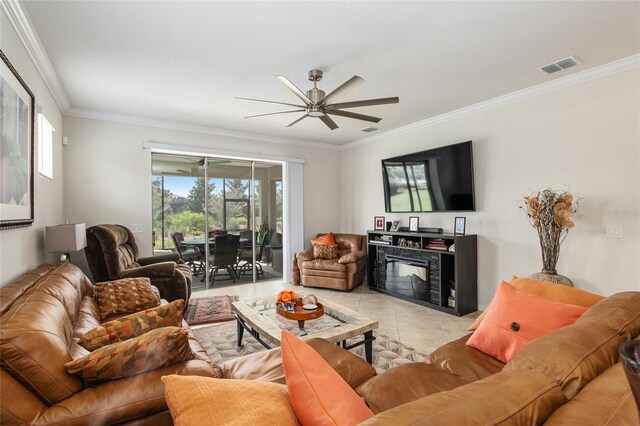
pixel 173 125
pixel 20 21
pixel 621 65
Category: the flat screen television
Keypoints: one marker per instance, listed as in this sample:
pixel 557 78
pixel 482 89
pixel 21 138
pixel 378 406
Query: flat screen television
pixel 436 180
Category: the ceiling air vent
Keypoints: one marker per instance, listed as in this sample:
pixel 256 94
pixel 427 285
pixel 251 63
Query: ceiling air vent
pixel 369 129
pixel 560 65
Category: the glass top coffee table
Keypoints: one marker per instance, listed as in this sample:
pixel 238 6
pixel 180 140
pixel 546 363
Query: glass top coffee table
pixel 259 318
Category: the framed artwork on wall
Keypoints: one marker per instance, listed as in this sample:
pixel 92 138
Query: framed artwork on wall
pixel 17 120
pixel 413 223
pixel 378 223
pixel 460 225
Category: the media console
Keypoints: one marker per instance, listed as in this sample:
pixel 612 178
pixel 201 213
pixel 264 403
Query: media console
pixel 424 269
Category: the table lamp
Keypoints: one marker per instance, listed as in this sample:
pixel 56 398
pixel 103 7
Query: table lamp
pixel 65 238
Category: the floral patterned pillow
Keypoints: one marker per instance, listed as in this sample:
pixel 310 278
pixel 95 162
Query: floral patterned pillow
pixel 133 325
pixel 325 252
pixel 124 296
pixel 155 349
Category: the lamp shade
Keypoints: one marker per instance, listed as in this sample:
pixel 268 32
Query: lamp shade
pixel 65 238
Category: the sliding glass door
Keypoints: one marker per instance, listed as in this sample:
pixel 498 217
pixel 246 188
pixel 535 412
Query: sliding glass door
pixel 196 199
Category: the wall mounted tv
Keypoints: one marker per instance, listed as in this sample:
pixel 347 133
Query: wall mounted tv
pixel 436 180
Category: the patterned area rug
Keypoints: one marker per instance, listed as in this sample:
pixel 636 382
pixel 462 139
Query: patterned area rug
pixel 220 343
pixel 207 310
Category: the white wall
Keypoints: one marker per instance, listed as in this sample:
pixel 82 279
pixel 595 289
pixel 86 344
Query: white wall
pixel 586 136
pixel 108 174
pixel 23 248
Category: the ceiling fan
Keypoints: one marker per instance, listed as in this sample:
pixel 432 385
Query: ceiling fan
pixel 316 104
pixel 197 167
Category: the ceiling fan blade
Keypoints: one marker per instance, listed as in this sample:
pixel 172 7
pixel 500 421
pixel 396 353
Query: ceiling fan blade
pixel 274 113
pixel 328 121
pixel 298 120
pixel 269 102
pixel 367 102
pixel 354 115
pixel 299 93
pixel 346 87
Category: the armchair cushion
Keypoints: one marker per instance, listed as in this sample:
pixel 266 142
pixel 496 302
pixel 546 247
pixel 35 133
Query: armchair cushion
pixel 305 255
pixel 124 296
pixel 155 349
pixel 165 257
pixel 325 252
pixel 156 270
pixel 133 325
pixel 353 257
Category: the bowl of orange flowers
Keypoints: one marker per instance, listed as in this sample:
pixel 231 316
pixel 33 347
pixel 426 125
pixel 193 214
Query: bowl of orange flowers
pixel 287 297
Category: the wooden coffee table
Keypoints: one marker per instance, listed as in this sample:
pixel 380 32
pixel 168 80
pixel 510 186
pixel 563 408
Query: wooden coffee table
pixel 260 319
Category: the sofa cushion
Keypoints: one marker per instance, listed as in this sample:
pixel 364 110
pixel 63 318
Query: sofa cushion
pixel 200 400
pixel 353 369
pixel 518 317
pixel 464 361
pixel 620 312
pixel 509 397
pixel 318 394
pixel 576 354
pixel 155 349
pixel 35 335
pixel 319 265
pixel 406 383
pixel 325 251
pixel 133 325
pixel 124 296
pixel 607 400
pixel 550 291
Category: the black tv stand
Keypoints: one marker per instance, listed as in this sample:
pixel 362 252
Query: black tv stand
pixel 422 268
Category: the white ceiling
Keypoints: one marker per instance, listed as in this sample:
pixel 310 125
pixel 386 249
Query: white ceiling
pixel 184 61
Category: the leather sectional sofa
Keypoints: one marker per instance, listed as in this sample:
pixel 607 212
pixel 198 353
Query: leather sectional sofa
pixel 569 376
pixel 41 315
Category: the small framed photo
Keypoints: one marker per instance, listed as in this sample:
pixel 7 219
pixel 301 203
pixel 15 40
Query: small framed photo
pixel 378 223
pixel 459 225
pixel 413 223
pixel 395 225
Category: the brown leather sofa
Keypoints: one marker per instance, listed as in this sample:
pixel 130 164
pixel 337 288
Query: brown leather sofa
pixel 571 376
pixel 344 273
pixel 41 315
pixel 112 253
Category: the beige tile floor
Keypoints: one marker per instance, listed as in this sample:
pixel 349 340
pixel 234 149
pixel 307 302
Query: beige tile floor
pixel 414 325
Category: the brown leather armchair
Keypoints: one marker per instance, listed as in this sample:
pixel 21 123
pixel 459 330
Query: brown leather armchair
pixel 112 253
pixel 343 273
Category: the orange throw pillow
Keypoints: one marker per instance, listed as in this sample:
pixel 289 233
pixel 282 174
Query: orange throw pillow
pixel 516 318
pixel 318 394
pixel 324 240
pixel 195 400
pixel 550 291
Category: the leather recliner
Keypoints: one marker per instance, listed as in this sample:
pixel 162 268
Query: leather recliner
pixel 344 273
pixel 112 253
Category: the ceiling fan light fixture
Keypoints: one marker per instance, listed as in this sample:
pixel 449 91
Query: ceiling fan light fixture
pixel 315 114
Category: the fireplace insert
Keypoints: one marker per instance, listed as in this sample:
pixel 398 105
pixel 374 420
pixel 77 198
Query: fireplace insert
pixel 414 278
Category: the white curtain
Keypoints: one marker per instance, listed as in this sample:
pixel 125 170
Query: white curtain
pixel 293 215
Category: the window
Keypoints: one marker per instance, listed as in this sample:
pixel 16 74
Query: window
pixel 45 147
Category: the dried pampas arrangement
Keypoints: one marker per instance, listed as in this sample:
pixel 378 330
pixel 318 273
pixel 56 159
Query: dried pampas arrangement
pixel 550 212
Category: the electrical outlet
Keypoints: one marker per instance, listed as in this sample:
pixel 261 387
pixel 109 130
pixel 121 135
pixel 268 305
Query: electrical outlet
pixel 614 231
pixel 136 228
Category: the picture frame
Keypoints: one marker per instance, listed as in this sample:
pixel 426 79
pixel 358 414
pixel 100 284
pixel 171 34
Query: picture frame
pixel 395 226
pixel 459 226
pixel 16 148
pixel 378 223
pixel 414 223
